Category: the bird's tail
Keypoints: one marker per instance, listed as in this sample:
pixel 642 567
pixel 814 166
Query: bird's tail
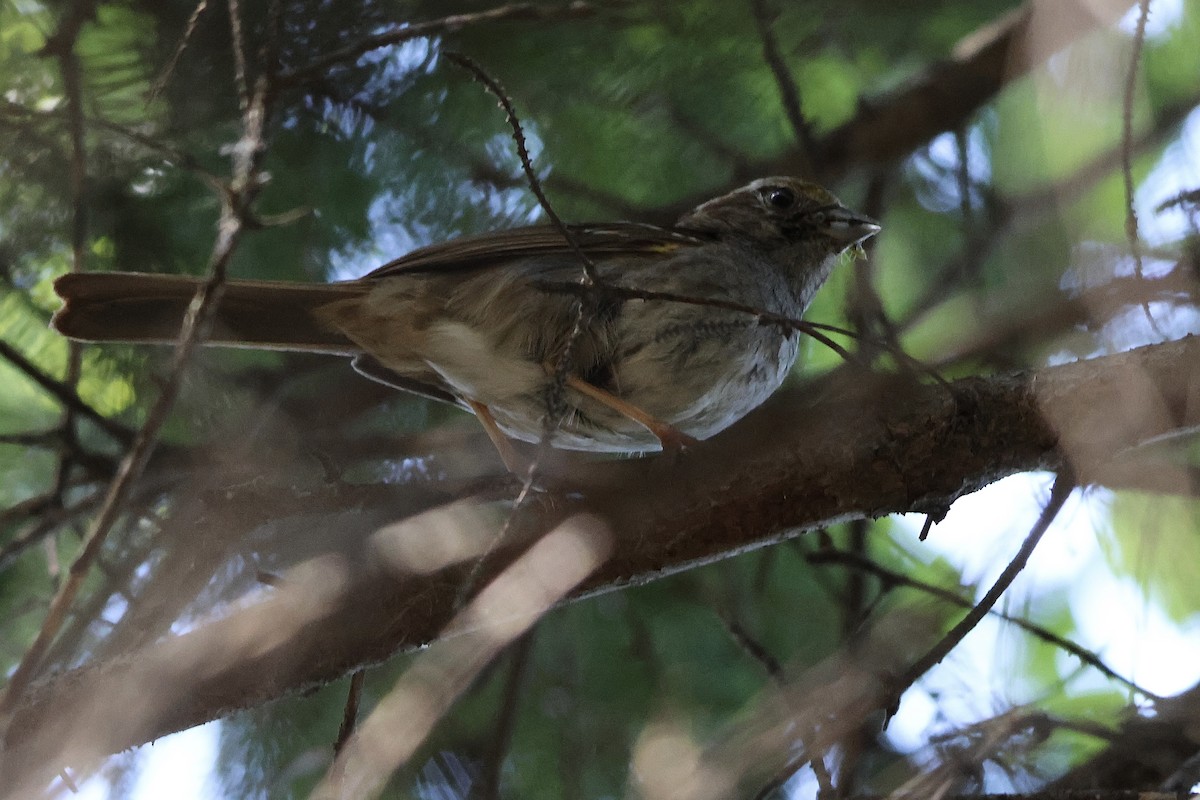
pixel 145 308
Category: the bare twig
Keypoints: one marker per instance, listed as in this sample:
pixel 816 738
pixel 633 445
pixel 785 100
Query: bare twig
pixel 177 157
pixel 237 39
pixel 350 712
pixel 584 311
pixel 753 648
pixel 501 739
pixel 1064 484
pixel 68 62
pixel 65 394
pixel 535 184
pixel 890 578
pixel 349 723
pixel 189 29
pixel 789 94
pixel 50 513
pixel 864 307
pixel 814 330
pixel 1190 197
pixel 243 188
pixel 350 53
pixel 1131 220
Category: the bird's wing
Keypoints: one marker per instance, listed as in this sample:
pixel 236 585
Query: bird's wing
pixel 494 249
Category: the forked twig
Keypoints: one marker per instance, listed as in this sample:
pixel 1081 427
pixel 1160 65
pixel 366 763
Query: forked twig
pixel 891 578
pixel 1064 484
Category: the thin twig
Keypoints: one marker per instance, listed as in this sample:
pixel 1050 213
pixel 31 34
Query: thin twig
pixel 555 396
pixel 237 42
pixel 230 228
pixel 754 648
pixel 468 585
pixel 789 93
pixel 65 394
pixel 177 157
pixel 535 184
pixel 48 509
pixel 814 330
pixel 1131 220
pixel 556 406
pixel 585 308
pixel 963 177
pixel 506 724
pixel 761 316
pixel 29 507
pixel 864 307
pixel 268 54
pixel 890 578
pixel 1189 197
pixel 189 29
pixel 68 62
pixel 349 724
pixel 350 712
pixel 1064 484
pixel 351 52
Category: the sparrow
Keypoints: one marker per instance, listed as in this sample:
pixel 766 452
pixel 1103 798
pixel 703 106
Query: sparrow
pixel 483 322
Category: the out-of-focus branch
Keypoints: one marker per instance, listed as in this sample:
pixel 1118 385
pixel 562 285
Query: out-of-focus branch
pixel 947 94
pixel 891 578
pixel 866 448
pixel 65 394
pixel 1063 486
pixel 244 186
pixel 942 98
pixel 789 94
pixel 348 55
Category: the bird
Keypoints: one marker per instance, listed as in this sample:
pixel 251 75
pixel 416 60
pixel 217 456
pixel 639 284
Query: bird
pixel 485 322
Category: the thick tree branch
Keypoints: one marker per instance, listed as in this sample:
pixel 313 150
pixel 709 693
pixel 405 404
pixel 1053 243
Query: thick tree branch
pixel 863 447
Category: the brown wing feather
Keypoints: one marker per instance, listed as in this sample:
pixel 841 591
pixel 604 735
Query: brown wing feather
pixel 493 249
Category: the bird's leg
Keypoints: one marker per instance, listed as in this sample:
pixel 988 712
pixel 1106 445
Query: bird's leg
pixel 508 454
pixel 672 439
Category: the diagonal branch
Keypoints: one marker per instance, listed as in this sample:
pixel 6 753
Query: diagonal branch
pixel 873 447
pixel 789 94
pixel 1063 486
pixel 891 578
pixel 65 394
pixel 947 95
pixel 943 98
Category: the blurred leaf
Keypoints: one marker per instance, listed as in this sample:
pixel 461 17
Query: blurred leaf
pixel 1155 542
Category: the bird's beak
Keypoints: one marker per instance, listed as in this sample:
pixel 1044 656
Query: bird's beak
pixel 848 227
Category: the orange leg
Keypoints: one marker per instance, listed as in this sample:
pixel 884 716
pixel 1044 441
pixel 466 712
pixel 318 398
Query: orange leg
pixel 672 439
pixel 508 453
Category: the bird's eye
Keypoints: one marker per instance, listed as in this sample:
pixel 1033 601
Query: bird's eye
pixel 779 197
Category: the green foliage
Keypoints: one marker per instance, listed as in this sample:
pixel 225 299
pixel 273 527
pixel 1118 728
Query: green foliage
pixel 1154 541
pixel 1171 62
pixel 626 113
